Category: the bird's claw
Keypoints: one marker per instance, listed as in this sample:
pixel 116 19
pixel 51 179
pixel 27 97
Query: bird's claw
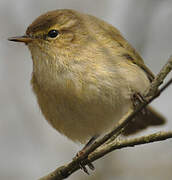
pixel 137 98
pixel 82 166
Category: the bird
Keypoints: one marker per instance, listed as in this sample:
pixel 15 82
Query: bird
pixel 85 75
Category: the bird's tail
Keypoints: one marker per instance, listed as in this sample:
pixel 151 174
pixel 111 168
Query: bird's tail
pixel 144 120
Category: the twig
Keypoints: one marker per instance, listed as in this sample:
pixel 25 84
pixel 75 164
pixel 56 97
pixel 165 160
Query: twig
pixel 64 171
pixel 100 152
pixel 160 78
pixel 105 149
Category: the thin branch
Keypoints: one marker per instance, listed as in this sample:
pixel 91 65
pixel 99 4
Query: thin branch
pixel 153 92
pixel 107 148
pixel 160 77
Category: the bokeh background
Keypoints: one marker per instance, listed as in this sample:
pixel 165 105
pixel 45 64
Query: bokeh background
pixel 29 147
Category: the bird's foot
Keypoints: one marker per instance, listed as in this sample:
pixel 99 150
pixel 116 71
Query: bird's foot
pixel 82 151
pixel 82 166
pixel 137 98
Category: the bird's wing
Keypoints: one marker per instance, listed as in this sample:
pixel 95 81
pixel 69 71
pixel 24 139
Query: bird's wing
pixel 128 52
pixel 131 53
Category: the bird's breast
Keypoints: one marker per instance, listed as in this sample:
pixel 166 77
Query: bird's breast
pixel 81 104
pixel 79 108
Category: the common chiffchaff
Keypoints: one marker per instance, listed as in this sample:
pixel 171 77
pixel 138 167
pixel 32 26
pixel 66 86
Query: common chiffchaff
pixel 85 74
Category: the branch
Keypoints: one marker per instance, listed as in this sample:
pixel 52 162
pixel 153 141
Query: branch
pixel 153 92
pixel 160 78
pixel 105 149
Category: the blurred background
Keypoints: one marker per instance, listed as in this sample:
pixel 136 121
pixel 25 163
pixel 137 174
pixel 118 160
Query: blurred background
pixel 29 147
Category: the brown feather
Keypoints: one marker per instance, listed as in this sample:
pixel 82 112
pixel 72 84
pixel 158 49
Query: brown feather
pixel 143 121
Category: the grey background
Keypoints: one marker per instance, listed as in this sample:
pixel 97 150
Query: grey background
pixel 29 147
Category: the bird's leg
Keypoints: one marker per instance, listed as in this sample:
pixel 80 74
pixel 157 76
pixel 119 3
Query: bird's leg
pixel 88 144
pixel 137 98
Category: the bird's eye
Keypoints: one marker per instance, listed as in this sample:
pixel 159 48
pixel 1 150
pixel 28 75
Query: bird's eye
pixel 53 33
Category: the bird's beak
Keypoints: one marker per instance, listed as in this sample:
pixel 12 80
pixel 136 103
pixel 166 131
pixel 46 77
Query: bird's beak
pixel 24 39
